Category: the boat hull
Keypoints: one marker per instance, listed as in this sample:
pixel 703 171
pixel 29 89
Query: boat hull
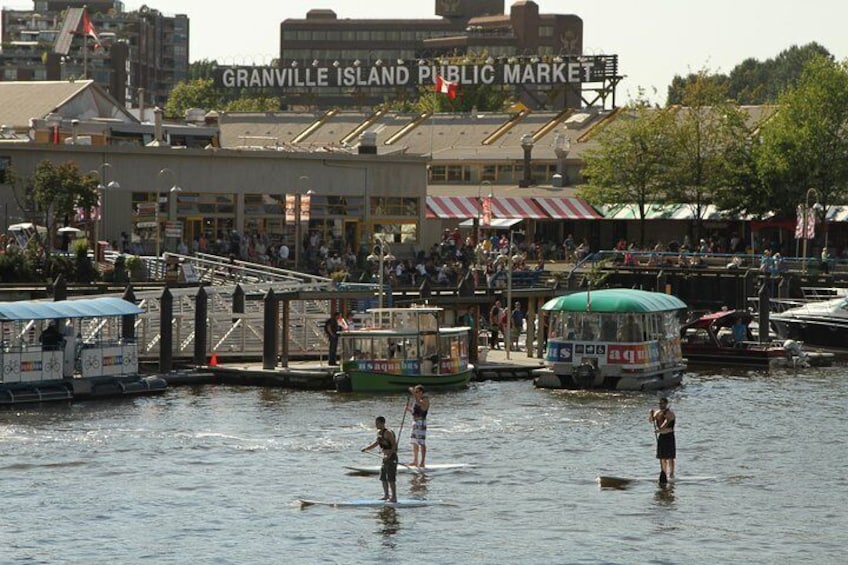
pixel 760 358
pixel 813 332
pixel 584 380
pixel 370 381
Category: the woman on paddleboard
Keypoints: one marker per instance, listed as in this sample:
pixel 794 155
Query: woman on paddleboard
pixel 388 445
pixel 418 439
pixel 663 420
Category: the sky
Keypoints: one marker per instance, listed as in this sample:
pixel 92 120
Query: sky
pixel 654 39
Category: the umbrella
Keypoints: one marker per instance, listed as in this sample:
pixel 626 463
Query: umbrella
pixel 70 230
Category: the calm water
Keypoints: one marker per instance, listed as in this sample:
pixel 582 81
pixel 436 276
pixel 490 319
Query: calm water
pixel 209 475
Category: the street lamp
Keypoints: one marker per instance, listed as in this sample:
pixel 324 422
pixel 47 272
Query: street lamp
pixel 173 190
pixel 562 145
pixel 526 144
pixel 806 232
pixel 102 187
pixel 382 253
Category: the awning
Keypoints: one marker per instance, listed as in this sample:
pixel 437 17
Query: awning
pixel 496 223
pixel 524 208
pixel 82 308
pixel 452 207
pixel 567 208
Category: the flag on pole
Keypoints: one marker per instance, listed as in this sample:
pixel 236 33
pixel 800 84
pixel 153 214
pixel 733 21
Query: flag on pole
pixel 88 29
pixel 805 225
pixel 446 87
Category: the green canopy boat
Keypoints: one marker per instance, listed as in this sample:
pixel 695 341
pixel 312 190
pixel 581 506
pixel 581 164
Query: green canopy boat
pixel 617 339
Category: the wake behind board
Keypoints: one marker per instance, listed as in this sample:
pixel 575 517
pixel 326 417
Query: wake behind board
pixel 366 502
pixel 434 468
pixel 623 482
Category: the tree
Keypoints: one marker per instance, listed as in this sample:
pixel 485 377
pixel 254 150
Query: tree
pixel 805 145
pixel 708 130
pixel 255 104
pixel 202 69
pixel 199 93
pixel 59 191
pixel 631 162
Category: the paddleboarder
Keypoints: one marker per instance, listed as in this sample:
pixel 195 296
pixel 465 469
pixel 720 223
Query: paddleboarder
pixel 388 445
pixel 418 439
pixel 663 420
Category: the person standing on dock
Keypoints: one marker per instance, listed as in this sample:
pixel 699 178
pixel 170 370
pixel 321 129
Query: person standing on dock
pixel 663 420
pixel 495 314
pixel 420 407
pixel 332 329
pixel 388 471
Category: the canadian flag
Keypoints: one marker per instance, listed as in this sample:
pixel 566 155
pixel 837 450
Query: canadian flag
pixel 446 87
pixel 88 29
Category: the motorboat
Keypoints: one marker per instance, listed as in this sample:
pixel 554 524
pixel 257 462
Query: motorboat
pixel 726 338
pixel 821 323
pixel 616 339
pixel 402 347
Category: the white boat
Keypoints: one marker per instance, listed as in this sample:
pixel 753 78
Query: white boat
pixel 616 339
pixel 821 323
pixel 79 354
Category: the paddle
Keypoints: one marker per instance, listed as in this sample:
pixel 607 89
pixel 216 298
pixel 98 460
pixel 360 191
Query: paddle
pixel 410 467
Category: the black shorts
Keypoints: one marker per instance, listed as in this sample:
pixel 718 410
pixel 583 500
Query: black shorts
pixel 666 448
pixel 388 471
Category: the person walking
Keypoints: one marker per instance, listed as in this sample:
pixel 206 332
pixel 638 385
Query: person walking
pixel 387 442
pixel 418 439
pixel 518 317
pixel 495 323
pixel 663 420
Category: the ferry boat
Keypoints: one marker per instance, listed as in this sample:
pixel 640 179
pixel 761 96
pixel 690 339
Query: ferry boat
pixel 70 350
pixel 402 347
pixel 615 339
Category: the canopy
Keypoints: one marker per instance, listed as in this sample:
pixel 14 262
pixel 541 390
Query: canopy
pixel 614 300
pixel 82 308
pixel 494 223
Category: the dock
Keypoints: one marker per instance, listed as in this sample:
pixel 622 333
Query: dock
pixel 318 375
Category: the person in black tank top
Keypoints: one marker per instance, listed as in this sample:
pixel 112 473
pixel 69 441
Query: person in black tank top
pixel 664 420
pixel 387 442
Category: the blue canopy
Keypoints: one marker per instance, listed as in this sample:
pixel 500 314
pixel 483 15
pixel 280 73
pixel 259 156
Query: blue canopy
pixel 82 308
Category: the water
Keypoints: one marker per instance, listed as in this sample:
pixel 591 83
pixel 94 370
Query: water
pixel 209 475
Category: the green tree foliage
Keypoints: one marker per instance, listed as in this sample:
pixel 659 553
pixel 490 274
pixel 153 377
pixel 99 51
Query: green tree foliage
pixel 753 82
pixel 256 104
pixel 203 69
pixel 708 132
pixel 198 93
pixel 632 160
pixel 805 145
pixel 59 190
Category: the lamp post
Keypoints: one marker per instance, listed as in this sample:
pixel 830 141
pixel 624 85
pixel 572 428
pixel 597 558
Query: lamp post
pixel 562 145
pixel 806 219
pixel 382 252
pixel 102 187
pixel 303 183
pixel 527 145
pixel 173 190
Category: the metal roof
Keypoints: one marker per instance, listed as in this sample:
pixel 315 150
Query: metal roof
pixel 615 300
pixel 83 308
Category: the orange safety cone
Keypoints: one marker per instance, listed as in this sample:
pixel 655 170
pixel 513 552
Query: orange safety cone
pixel 213 361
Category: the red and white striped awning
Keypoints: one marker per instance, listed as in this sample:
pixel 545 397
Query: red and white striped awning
pixel 523 207
pixel 461 207
pixel 567 208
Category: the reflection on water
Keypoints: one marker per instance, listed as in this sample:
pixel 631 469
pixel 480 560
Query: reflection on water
pixel 664 495
pixel 389 524
pixel 418 485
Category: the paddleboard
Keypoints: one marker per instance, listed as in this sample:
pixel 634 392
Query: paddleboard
pixel 622 482
pixel 434 468
pixel 366 502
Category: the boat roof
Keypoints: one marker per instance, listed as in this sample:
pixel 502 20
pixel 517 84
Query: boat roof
pixel 614 300
pixel 719 319
pixel 82 308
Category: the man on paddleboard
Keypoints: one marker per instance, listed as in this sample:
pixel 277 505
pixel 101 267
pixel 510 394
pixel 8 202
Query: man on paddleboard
pixel 388 445
pixel 419 425
pixel 663 420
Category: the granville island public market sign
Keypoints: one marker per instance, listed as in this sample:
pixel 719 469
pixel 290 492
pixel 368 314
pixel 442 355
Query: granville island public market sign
pixel 575 69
